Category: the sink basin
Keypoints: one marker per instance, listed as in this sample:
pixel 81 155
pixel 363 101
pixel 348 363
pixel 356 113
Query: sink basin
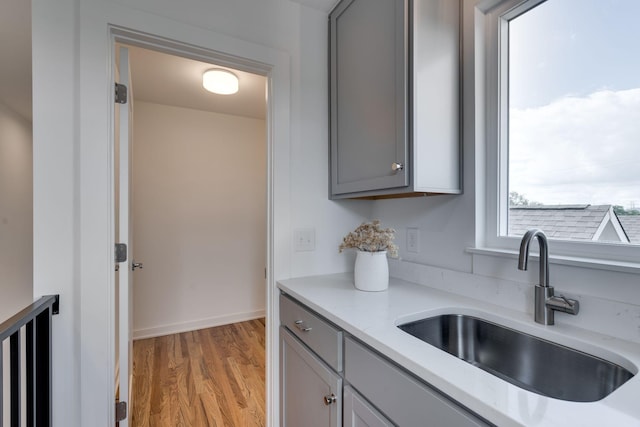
pixel 537 365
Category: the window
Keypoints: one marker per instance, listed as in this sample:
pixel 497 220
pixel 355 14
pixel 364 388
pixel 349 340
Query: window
pixel 564 124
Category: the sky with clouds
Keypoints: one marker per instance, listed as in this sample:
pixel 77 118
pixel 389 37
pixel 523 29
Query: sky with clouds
pixel 574 96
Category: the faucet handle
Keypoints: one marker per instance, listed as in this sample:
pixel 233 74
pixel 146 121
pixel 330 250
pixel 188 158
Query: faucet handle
pixel 561 303
pixel 565 300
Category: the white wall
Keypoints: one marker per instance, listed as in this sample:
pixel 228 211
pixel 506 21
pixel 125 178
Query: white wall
pixel 16 212
pixel 55 189
pixel 16 224
pixel 310 207
pixel 72 154
pixel 199 215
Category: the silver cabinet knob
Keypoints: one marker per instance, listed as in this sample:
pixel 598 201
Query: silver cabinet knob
pixel 397 166
pixel 136 265
pixel 328 400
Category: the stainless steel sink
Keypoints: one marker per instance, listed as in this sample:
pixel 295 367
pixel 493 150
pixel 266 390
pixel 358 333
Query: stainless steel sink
pixel 529 362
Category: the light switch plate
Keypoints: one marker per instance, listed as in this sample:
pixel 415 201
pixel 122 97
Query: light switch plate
pixel 304 239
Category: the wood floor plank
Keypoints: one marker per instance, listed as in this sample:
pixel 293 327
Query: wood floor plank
pixel 143 366
pixel 210 377
pixel 214 416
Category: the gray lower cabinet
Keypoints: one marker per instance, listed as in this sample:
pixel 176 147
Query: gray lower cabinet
pixel 359 413
pixel 317 359
pixel 311 393
pixel 405 400
pixel 394 98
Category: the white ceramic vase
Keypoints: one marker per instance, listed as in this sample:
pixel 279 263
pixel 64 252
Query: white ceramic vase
pixel 371 271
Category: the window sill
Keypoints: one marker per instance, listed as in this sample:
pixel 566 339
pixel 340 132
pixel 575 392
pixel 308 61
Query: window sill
pixel 593 263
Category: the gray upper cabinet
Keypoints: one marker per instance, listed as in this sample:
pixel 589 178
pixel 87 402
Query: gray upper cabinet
pixel 368 96
pixel 395 98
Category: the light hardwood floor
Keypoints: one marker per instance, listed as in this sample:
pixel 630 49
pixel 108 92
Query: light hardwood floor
pixel 210 377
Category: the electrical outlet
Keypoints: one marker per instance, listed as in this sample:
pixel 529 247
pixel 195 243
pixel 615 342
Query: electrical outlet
pixel 304 239
pixel 413 240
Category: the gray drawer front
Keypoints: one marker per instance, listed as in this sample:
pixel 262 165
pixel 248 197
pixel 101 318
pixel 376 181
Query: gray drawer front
pixel 321 337
pixel 405 400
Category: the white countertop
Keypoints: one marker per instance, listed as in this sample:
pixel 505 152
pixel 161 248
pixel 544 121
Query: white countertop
pixel 372 317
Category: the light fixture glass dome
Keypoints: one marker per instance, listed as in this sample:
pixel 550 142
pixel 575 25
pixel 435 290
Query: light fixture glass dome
pixel 220 81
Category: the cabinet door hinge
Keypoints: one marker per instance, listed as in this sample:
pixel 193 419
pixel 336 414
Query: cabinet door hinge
pixel 121 411
pixel 121 94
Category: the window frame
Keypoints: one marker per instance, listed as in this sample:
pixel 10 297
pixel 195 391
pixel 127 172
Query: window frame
pixel 494 43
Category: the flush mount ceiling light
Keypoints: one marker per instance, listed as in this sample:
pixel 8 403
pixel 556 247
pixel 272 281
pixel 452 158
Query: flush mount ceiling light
pixel 219 81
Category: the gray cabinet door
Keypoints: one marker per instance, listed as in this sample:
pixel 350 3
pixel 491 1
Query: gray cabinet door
pixel 310 392
pixel 402 398
pixel 369 132
pixel 359 413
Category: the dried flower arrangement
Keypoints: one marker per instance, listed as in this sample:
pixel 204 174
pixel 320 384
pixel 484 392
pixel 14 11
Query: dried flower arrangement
pixel 370 237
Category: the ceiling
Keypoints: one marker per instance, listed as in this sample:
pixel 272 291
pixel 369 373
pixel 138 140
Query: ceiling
pixel 15 51
pixel 172 80
pixel 156 77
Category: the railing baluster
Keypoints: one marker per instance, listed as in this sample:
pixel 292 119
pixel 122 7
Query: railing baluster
pixel 31 362
pixel 43 368
pixel 36 319
pixel 14 369
pixel 1 381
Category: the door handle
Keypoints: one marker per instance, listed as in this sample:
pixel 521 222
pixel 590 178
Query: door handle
pixel 136 265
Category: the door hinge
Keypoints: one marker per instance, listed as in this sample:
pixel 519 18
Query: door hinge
pixel 121 94
pixel 121 411
pixel 121 252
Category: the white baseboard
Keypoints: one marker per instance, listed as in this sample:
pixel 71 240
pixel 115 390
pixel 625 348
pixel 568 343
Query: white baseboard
pixel 210 322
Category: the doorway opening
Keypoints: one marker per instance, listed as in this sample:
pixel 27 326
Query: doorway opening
pixel 199 239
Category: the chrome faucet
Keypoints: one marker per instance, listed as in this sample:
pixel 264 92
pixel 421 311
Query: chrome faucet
pixel 546 303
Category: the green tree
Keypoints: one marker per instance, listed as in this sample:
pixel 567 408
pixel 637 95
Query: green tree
pixel 620 210
pixel 517 199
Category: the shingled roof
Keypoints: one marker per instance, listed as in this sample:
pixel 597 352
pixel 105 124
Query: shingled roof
pixel 631 225
pixel 576 222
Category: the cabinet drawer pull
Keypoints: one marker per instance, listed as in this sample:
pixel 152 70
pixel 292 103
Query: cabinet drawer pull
pixel 328 400
pixel 300 325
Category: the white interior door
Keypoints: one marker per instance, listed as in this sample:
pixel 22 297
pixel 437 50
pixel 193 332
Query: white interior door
pixel 124 299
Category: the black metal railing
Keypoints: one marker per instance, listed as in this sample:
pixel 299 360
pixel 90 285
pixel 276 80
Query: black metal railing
pixel 33 323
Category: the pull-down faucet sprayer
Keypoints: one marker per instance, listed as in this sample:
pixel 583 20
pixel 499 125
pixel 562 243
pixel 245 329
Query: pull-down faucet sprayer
pixel 523 259
pixel 545 303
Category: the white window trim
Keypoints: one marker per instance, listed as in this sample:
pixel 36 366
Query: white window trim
pixel 493 15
